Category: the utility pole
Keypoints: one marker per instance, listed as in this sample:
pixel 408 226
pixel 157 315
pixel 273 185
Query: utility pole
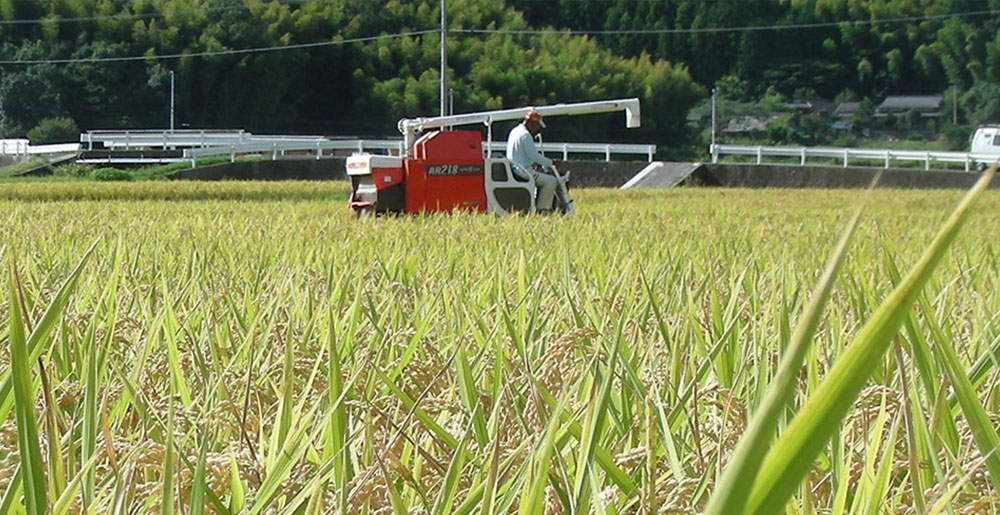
pixel 713 118
pixel 954 105
pixel 444 58
pixel 171 101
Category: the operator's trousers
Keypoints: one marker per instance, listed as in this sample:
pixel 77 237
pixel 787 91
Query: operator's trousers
pixel 546 185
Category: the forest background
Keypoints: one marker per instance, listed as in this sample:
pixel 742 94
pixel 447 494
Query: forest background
pixel 354 67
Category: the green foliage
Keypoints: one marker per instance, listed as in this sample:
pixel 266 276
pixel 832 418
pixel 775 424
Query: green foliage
pixel 957 136
pixel 864 116
pixel 870 58
pixel 352 88
pixel 365 87
pixel 54 130
pixel 72 170
pixel 110 174
pixel 981 103
pixel 734 88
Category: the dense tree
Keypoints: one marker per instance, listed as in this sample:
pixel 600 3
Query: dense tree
pixel 333 85
pixel 873 48
pixel 279 66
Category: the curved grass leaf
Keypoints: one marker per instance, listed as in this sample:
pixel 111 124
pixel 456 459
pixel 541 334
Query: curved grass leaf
pixel 731 494
pixel 30 454
pixel 789 459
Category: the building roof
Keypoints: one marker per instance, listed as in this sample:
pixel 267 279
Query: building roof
pixel 846 109
pixel 905 103
pixel 814 104
pixel 747 124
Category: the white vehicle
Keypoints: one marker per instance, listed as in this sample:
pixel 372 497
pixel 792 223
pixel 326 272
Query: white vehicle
pixel 986 140
pixel 985 145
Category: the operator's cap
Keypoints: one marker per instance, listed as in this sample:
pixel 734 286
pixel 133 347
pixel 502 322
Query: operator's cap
pixel 534 116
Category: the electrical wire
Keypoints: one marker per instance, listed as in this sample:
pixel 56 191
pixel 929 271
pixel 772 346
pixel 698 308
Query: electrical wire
pixel 138 16
pixel 749 28
pixel 704 30
pixel 220 52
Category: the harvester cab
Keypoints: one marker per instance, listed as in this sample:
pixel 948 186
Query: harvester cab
pixel 444 170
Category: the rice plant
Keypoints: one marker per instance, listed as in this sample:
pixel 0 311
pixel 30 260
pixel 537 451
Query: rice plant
pixel 251 348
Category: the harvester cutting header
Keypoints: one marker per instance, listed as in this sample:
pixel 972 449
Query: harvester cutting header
pixel 446 170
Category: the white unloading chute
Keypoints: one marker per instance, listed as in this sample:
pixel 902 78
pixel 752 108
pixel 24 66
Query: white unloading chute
pixel 411 128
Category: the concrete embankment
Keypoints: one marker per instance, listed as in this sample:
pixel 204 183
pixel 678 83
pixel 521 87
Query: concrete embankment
pixel 585 174
pixel 787 176
pixel 603 174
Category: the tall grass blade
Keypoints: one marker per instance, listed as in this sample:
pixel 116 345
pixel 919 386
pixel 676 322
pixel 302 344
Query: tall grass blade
pixel 593 431
pixel 734 486
pixel 789 459
pixel 56 463
pixel 982 428
pixel 533 493
pixel 198 484
pixel 167 499
pixel 42 329
pixel 64 502
pixel 30 454
pixel 12 494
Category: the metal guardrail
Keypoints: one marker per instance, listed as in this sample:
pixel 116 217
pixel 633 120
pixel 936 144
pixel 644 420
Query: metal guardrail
pixel 21 147
pixel 130 139
pixel 13 147
pixel 280 148
pixel 58 148
pixel 587 148
pixel 165 139
pixel 846 155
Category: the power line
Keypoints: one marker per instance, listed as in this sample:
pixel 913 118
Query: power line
pixel 749 28
pixel 220 52
pixel 137 16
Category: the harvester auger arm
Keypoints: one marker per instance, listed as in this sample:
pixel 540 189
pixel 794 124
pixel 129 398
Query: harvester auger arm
pixel 412 127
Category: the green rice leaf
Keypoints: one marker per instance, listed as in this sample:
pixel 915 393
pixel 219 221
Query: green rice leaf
pixel 979 421
pixel 593 431
pixel 533 493
pixel 43 328
pixel 731 494
pixel 198 484
pixel 29 452
pixel 789 459
pixel 167 498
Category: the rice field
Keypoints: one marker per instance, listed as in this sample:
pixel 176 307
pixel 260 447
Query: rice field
pixel 252 348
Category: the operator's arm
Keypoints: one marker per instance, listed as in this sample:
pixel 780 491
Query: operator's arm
pixel 527 144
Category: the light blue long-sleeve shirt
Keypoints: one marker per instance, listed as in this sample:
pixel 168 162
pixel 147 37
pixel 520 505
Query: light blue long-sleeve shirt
pixel 522 151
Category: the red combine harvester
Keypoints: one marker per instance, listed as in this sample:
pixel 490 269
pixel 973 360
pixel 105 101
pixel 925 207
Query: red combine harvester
pixel 446 170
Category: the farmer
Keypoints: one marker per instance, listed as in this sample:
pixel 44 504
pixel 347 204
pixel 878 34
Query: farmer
pixel 521 151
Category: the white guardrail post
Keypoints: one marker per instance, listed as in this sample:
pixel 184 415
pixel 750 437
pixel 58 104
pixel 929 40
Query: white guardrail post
pixel 926 158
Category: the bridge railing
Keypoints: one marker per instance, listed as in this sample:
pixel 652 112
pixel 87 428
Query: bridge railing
pixel 847 155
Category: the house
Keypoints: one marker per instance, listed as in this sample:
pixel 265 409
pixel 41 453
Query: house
pixel 747 124
pixel 929 106
pixel 814 105
pixel 843 116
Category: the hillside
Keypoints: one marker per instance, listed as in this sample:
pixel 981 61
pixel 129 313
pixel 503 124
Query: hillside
pixel 354 67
